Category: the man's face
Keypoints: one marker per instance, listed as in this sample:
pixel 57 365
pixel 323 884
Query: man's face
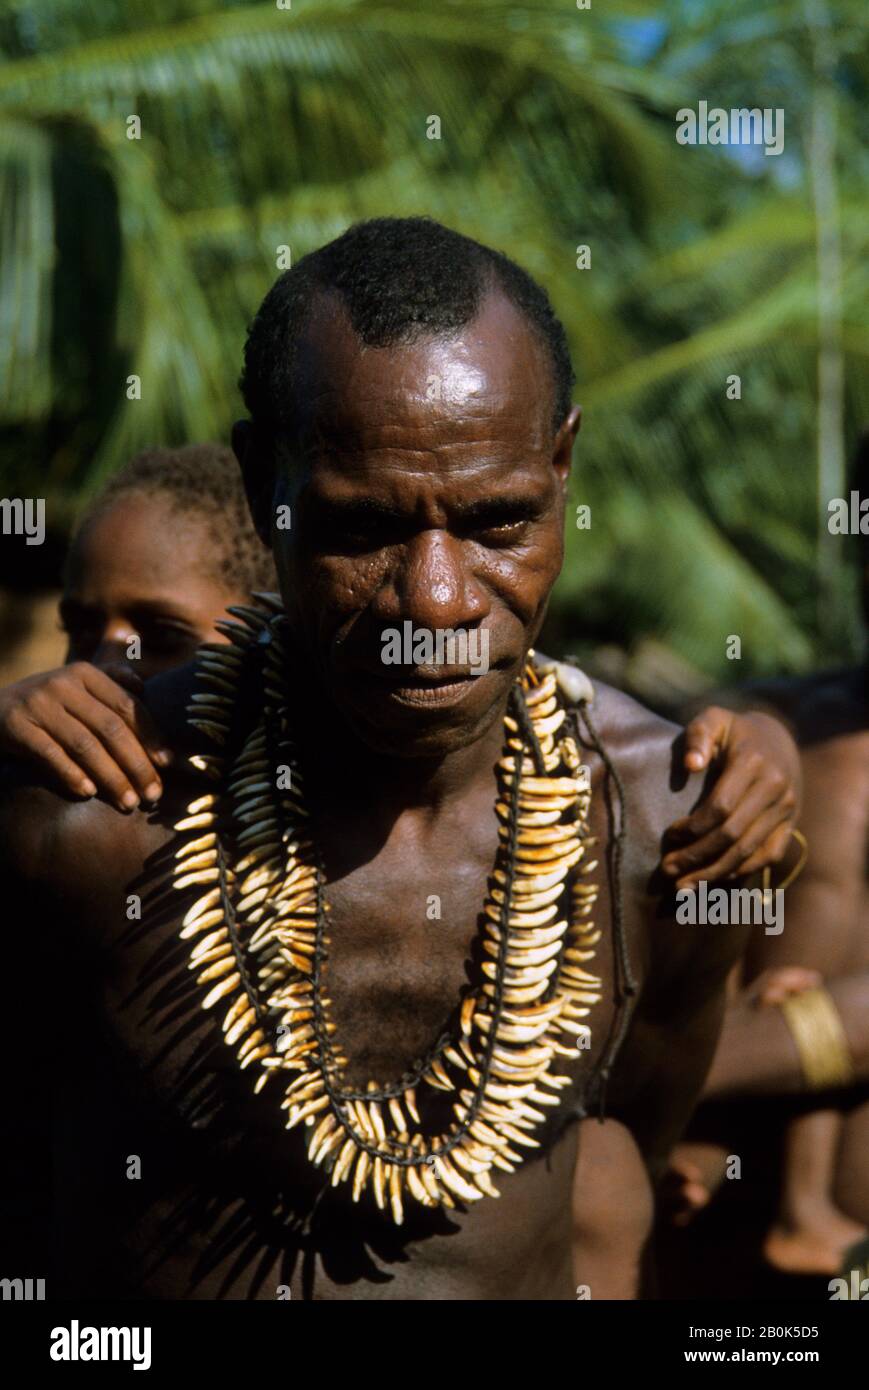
pixel 426 489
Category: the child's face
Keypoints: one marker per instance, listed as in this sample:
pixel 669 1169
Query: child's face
pixel 140 569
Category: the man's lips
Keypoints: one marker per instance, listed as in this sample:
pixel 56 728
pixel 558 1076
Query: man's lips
pixel 421 687
pixel 385 674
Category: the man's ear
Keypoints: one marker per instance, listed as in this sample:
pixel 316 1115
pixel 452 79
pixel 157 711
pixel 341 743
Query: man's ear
pixel 562 448
pixel 258 478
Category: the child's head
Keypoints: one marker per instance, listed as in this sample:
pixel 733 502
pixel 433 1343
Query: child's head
pixel 158 555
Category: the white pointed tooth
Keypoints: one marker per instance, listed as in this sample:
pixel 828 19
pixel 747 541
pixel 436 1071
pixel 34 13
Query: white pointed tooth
pixel 452 1178
pixel 194 822
pixel 221 989
pixel 524 920
pixel 546 803
pixel 250 1044
pixel 545 690
pixel 510 1091
pixel 207 942
pixel 550 1009
pixel 202 923
pixel 466 1161
pixel 525 1057
pixel 547 836
pixel 520 956
pixel 542 936
pixel 417 1189
pixel 518 1137
pixel 513 994
pixel 515 1033
pixel 520 978
pixel 485 1184
pixel 579 1030
pixel 537 883
pixel 550 725
pixel 194 846
pixel 543 868
pixel 327 1125
pixel 535 818
pixel 525 906
pixel 215 971
pixel 240 1026
pixel 542 855
pixel 343 1162
pixel 549 786
pixel 200 876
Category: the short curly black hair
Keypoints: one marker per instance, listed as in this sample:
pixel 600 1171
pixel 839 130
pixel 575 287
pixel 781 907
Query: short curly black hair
pixel 201 480
pixel 401 279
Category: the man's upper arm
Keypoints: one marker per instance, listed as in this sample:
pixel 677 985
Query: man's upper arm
pixel 31 825
pixel 823 907
pixel 673 1036
pixel 660 1070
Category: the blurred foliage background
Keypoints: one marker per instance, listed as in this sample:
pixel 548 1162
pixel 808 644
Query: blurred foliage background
pixel 264 127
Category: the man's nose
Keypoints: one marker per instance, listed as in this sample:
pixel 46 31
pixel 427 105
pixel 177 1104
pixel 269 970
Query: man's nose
pixel 434 585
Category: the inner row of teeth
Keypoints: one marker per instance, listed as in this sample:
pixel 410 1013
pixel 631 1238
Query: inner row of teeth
pixel 285 945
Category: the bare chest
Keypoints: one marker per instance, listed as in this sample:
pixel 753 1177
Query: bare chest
pixel 404 948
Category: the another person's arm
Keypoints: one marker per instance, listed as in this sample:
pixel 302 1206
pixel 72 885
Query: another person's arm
pixel 757 1053
pixel 89 729
pixel 745 820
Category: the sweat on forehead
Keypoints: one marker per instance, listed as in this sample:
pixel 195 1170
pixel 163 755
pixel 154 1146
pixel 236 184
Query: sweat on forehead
pixel 400 281
pixel 489 378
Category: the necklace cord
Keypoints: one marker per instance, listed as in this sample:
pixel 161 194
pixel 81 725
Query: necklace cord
pixel 338 1098
pixel 626 984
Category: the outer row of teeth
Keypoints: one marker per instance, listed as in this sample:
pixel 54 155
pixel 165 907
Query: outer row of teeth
pixel 530 802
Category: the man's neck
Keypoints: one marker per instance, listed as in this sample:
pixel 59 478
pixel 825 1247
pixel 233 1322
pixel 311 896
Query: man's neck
pixel 373 783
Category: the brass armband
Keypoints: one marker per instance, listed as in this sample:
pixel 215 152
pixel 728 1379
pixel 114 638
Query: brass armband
pixel 816 1028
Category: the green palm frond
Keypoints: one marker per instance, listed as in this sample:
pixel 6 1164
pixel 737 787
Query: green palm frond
pixel 27 256
pixel 265 128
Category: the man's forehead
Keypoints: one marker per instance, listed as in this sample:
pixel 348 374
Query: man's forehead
pixel 490 377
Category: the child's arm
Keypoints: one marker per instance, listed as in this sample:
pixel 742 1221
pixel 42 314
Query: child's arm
pixel 744 821
pixel 88 729
pixel 757 1054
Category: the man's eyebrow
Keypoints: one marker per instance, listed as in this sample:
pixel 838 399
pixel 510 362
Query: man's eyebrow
pixel 520 507
pixel 354 508
pixel 516 508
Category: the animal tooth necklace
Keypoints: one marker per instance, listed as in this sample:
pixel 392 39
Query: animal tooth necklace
pixel 260 942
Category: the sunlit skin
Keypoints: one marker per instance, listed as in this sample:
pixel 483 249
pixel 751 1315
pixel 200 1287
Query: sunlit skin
pixel 429 512
pixel 824 1199
pixel 402 787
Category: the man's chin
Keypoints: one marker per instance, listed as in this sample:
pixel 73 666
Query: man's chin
pixel 419 721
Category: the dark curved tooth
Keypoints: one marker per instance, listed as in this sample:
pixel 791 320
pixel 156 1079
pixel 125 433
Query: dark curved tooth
pixel 269 598
pixel 229 628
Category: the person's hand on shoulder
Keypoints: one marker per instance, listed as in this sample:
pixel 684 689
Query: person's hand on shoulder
pixel 745 821
pixel 89 728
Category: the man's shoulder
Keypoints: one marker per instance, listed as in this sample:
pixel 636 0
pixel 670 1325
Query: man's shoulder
pixel 52 841
pixel 633 730
pixel 640 764
pixel 645 750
